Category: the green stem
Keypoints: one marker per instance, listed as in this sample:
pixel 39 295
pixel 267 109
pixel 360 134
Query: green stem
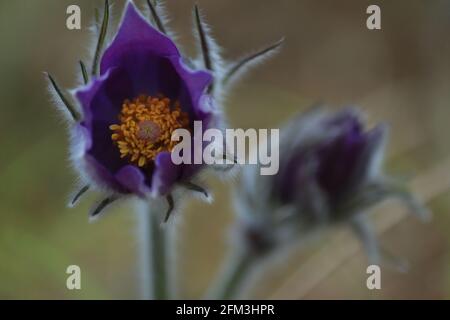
pixel 159 259
pixel 153 256
pixel 237 271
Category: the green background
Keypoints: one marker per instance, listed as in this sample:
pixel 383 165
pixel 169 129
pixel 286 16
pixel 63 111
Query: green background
pixel 400 74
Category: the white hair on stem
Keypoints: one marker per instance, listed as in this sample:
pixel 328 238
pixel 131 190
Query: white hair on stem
pixel 237 69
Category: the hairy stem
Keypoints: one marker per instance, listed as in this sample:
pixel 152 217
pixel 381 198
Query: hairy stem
pixel 152 255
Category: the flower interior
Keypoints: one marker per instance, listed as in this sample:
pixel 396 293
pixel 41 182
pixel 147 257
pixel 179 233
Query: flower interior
pixel 145 128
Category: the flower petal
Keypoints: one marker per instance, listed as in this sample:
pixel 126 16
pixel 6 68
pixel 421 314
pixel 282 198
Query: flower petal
pixel 135 33
pixel 196 82
pixel 102 99
pixel 339 157
pixel 153 63
pixel 165 175
pixel 93 172
pixel 101 102
pixel 133 179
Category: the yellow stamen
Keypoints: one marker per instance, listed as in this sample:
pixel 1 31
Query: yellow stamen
pixel 145 128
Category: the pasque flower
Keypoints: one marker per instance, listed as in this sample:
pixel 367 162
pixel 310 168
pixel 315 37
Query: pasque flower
pixel 330 172
pixel 141 90
pixel 145 91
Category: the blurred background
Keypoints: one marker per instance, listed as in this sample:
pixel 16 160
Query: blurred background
pixel 400 74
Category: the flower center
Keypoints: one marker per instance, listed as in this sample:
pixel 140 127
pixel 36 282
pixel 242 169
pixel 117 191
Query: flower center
pixel 145 128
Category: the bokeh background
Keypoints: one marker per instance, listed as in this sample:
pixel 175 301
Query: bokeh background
pixel 400 74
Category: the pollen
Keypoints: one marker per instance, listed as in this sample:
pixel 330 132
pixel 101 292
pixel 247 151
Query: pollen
pixel 145 128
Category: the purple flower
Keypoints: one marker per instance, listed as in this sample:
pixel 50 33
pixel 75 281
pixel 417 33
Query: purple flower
pixel 330 172
pixel 141 90
pixel 339 162
pixel 144 92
